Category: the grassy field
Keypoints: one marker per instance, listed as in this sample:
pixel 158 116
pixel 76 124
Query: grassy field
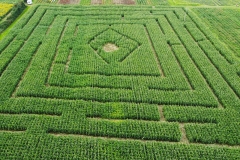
pixel 117 82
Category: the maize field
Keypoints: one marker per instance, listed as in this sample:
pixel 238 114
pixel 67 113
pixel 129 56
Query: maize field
pixel 117 82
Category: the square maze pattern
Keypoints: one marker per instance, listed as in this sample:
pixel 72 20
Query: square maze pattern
pixel 171 79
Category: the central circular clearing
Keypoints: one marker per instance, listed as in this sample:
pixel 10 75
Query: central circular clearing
pixel 109 47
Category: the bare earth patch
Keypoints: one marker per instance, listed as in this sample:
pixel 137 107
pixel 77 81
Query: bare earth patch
pixel 129 2
pixel 109 47
pixel 69 1
pixel 96 2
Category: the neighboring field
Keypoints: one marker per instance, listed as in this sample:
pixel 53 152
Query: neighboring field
pixel 205 2
pixel 4 9
pixel 106 2
pixel 46 1
pixel 9 1
pixel 8 13
pixel 225 23
pixel 145 2
pixel 117 83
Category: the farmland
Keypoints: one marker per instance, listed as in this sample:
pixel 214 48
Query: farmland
pixel 4 9
pixel 224 23
pixel 144 2
pixel 204 2
pixel 8 13
pixel 117 82
pixel 9 1
pixel 104 2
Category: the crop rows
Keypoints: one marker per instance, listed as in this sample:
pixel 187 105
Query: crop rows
pixel 9 1
pixel 227 27
pixel 204 2
pixel 4 9
pixel 51 147
pixel 170 78
pixel 47 1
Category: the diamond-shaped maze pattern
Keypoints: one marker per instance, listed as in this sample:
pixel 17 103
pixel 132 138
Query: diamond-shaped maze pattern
pixel 126 46
pixel 85 60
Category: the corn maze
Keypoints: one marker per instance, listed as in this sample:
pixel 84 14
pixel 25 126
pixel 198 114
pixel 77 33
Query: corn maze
pixel 168 88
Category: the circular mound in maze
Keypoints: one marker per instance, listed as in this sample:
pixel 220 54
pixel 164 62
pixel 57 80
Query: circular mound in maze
pixel 109 47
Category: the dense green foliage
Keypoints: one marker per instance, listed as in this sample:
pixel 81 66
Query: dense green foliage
pixel 80 147
pixel 169 87
pixel 16 10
